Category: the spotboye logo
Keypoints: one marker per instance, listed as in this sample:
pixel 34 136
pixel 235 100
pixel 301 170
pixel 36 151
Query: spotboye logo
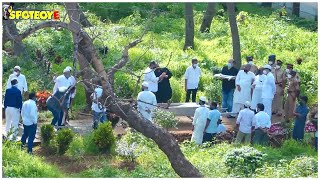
pixel 10 14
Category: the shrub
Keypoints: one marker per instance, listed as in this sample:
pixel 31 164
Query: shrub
pixel 244 161
pixel 89 146
pixel 64 138
pixel 165 119
pixel 47 134
pixel 177 90
pixel 304 166
pixel 103 137
pixel 76 148
pixel 213 91
pixel 128 151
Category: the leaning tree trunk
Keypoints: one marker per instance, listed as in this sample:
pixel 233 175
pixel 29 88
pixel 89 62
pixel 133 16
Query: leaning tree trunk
pixel 165 141
pixel 207 18
pixel 234 34
pixel 189 27
pixel 77 19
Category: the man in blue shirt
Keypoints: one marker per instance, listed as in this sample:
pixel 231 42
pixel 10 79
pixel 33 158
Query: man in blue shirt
pixel 12 105
pixel 300 113
pixel 211 127
pixel 228 85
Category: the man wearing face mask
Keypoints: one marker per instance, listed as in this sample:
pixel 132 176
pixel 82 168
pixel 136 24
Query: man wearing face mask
pixel 62 80
pixel 279 76
pixel 228 85
pixel 253 68
pixel 12 106
pixel 289 69
pixel 268 89
pixel 244 80
pixel 293 90
pixel 146 101
pixel 271 61
pixel 300 113
pixel 151 79
pixel 22 82
pixel 192 79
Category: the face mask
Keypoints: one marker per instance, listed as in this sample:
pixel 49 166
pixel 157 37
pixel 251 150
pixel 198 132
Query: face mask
pixel 287 70
pixel 277 67
pixel 229 65
pixel 194 65
pixel 250 62
pixel 289 76
pixel 270 62
pixel 15 73
pixel 265 72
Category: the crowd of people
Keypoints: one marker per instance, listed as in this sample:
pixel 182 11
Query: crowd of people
pixel 58 104
pixel 251 94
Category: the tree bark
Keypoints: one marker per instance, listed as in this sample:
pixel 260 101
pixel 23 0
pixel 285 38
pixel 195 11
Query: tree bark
pixel 207 18
pixel 189 27
pixel 9 32
pixel 234 34
pixel 75 14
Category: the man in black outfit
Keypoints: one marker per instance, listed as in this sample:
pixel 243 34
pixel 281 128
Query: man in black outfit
pixel 228 85
pixel 164 92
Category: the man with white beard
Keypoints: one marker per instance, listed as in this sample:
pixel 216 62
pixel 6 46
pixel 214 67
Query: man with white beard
pixel 268 89
pixel 244 80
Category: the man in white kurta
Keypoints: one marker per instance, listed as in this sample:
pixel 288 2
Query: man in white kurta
pixel 268 90
pixel 244 80
pixel 22 82
pixel 199 121
pixel 150 77
pixel 147 102
pixel 73 82
pixel 257 89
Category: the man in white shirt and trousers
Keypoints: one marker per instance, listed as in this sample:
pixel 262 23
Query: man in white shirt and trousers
pixel 192 79
pixel 242 93
pixel 268 89
pixel 98 110
pixel 63 81
pixel 147 102
pixel 199 122
pixel 22 82
pixel 73 83
pixel 245 124
pixel 29 114
pixel 150 77
pixel 262 123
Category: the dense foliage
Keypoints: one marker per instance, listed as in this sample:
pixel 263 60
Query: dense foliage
pixel 47 134
pixel 165 119
pixel 103 138
pixel 64 138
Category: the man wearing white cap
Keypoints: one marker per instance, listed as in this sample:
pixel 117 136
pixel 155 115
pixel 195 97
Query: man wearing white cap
pixel 268 89
pixel 245 124
pixel 199 122
pixel 22 82
pixel 147 102
pixel 62 80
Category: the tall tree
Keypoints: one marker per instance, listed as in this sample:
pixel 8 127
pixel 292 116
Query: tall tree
pixel 165 141
pixel 189 26
pixel 235 34
pixel 207 18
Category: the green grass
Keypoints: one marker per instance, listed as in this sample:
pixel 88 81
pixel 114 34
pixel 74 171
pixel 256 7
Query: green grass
pixel 17 163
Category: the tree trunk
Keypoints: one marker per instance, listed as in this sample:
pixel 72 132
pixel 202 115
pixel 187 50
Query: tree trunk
pixel 74 14
pixel 296 9
pixel 162 138
pixel 234 34
pixel 189 27
pixel 9 31
pixel 207 18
